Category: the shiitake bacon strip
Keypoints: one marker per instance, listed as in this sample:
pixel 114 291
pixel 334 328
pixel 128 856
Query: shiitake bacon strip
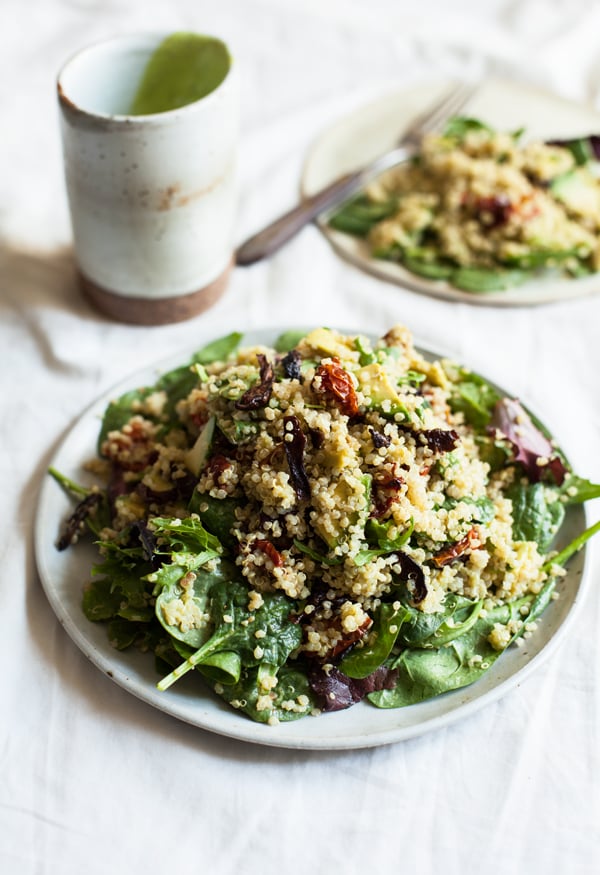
pixel 412 571
pixel 259 395
pixel 75 523
pixel 294 441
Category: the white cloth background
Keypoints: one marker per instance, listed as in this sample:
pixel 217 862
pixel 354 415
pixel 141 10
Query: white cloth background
pixel 93 781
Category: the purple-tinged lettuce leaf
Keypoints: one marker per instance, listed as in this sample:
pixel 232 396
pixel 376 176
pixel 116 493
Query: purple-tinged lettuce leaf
pixel 336 691
pixel 532 449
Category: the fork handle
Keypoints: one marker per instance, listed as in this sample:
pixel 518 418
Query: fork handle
pixel 271 238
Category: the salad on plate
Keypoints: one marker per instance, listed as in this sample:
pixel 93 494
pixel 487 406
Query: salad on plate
pixel 484 210
pixel 328 520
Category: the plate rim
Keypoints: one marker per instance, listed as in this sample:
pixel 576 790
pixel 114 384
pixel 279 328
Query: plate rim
pixel 350 249
pixel 243 728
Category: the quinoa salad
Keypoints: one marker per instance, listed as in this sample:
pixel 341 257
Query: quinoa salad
pixel 484 210
pixel 330 520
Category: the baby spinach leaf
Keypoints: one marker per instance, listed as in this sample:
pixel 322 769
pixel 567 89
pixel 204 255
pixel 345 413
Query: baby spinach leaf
pixel 288 340
pixel 459 126
pixel 218 350
pixel 177 384
pixel 535 517
pixel 120 410
pixel 378 533
pixel 424 673
pixel 434 270
pixel 292 684
pixel 100 601
pixel 224 667
pixel 191 604
pixel 315 555
pixel 420 629
pixel 576 490
pixel 485 510
pixel 358 215
pixel 479 279
pixel 122 633
pixel 493 451
pixel 185 536
pixel 461 621
pixel 217 516
pixel 363 661
pixel 473 396
pixel 236 628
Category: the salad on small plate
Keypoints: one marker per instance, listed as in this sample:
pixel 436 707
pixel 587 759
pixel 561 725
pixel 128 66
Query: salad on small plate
pixel 500 209
pixel 312 521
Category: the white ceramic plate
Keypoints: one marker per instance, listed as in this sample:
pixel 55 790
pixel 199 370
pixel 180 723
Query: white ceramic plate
pixel 358 138
pixel 64 574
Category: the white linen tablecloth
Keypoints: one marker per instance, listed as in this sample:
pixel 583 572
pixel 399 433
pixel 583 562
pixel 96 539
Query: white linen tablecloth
pixel 92 780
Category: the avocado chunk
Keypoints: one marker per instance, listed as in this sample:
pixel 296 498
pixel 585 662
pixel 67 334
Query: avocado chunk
pixel 577 191
pixel 330 343
pixel 377 386
pixel 195 459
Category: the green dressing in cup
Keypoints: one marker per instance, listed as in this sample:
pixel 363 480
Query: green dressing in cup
pixel 184 68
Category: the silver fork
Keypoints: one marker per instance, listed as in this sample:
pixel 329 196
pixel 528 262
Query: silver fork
pixel 271 238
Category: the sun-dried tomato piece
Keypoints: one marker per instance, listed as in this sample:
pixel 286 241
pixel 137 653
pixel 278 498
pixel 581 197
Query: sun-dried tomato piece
pixel 454 551
pixel 493 211
pixel 349 639
pixel 269 550
pixel 336 383
pixel 259 395
pixel 294 441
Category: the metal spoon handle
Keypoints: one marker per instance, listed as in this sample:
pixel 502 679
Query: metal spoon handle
pixel 281 230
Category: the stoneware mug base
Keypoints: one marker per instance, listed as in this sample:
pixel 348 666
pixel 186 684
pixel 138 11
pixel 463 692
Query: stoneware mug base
pixel 154 311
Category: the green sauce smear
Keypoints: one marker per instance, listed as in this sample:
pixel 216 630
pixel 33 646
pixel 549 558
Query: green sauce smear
pixel 184 68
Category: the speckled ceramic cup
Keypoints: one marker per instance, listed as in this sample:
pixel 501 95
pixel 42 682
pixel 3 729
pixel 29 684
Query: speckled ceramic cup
pixel 152 197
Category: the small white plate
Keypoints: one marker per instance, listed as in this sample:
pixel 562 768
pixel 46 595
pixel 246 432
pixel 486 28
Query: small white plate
pixel 357 139
pixel 64 574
